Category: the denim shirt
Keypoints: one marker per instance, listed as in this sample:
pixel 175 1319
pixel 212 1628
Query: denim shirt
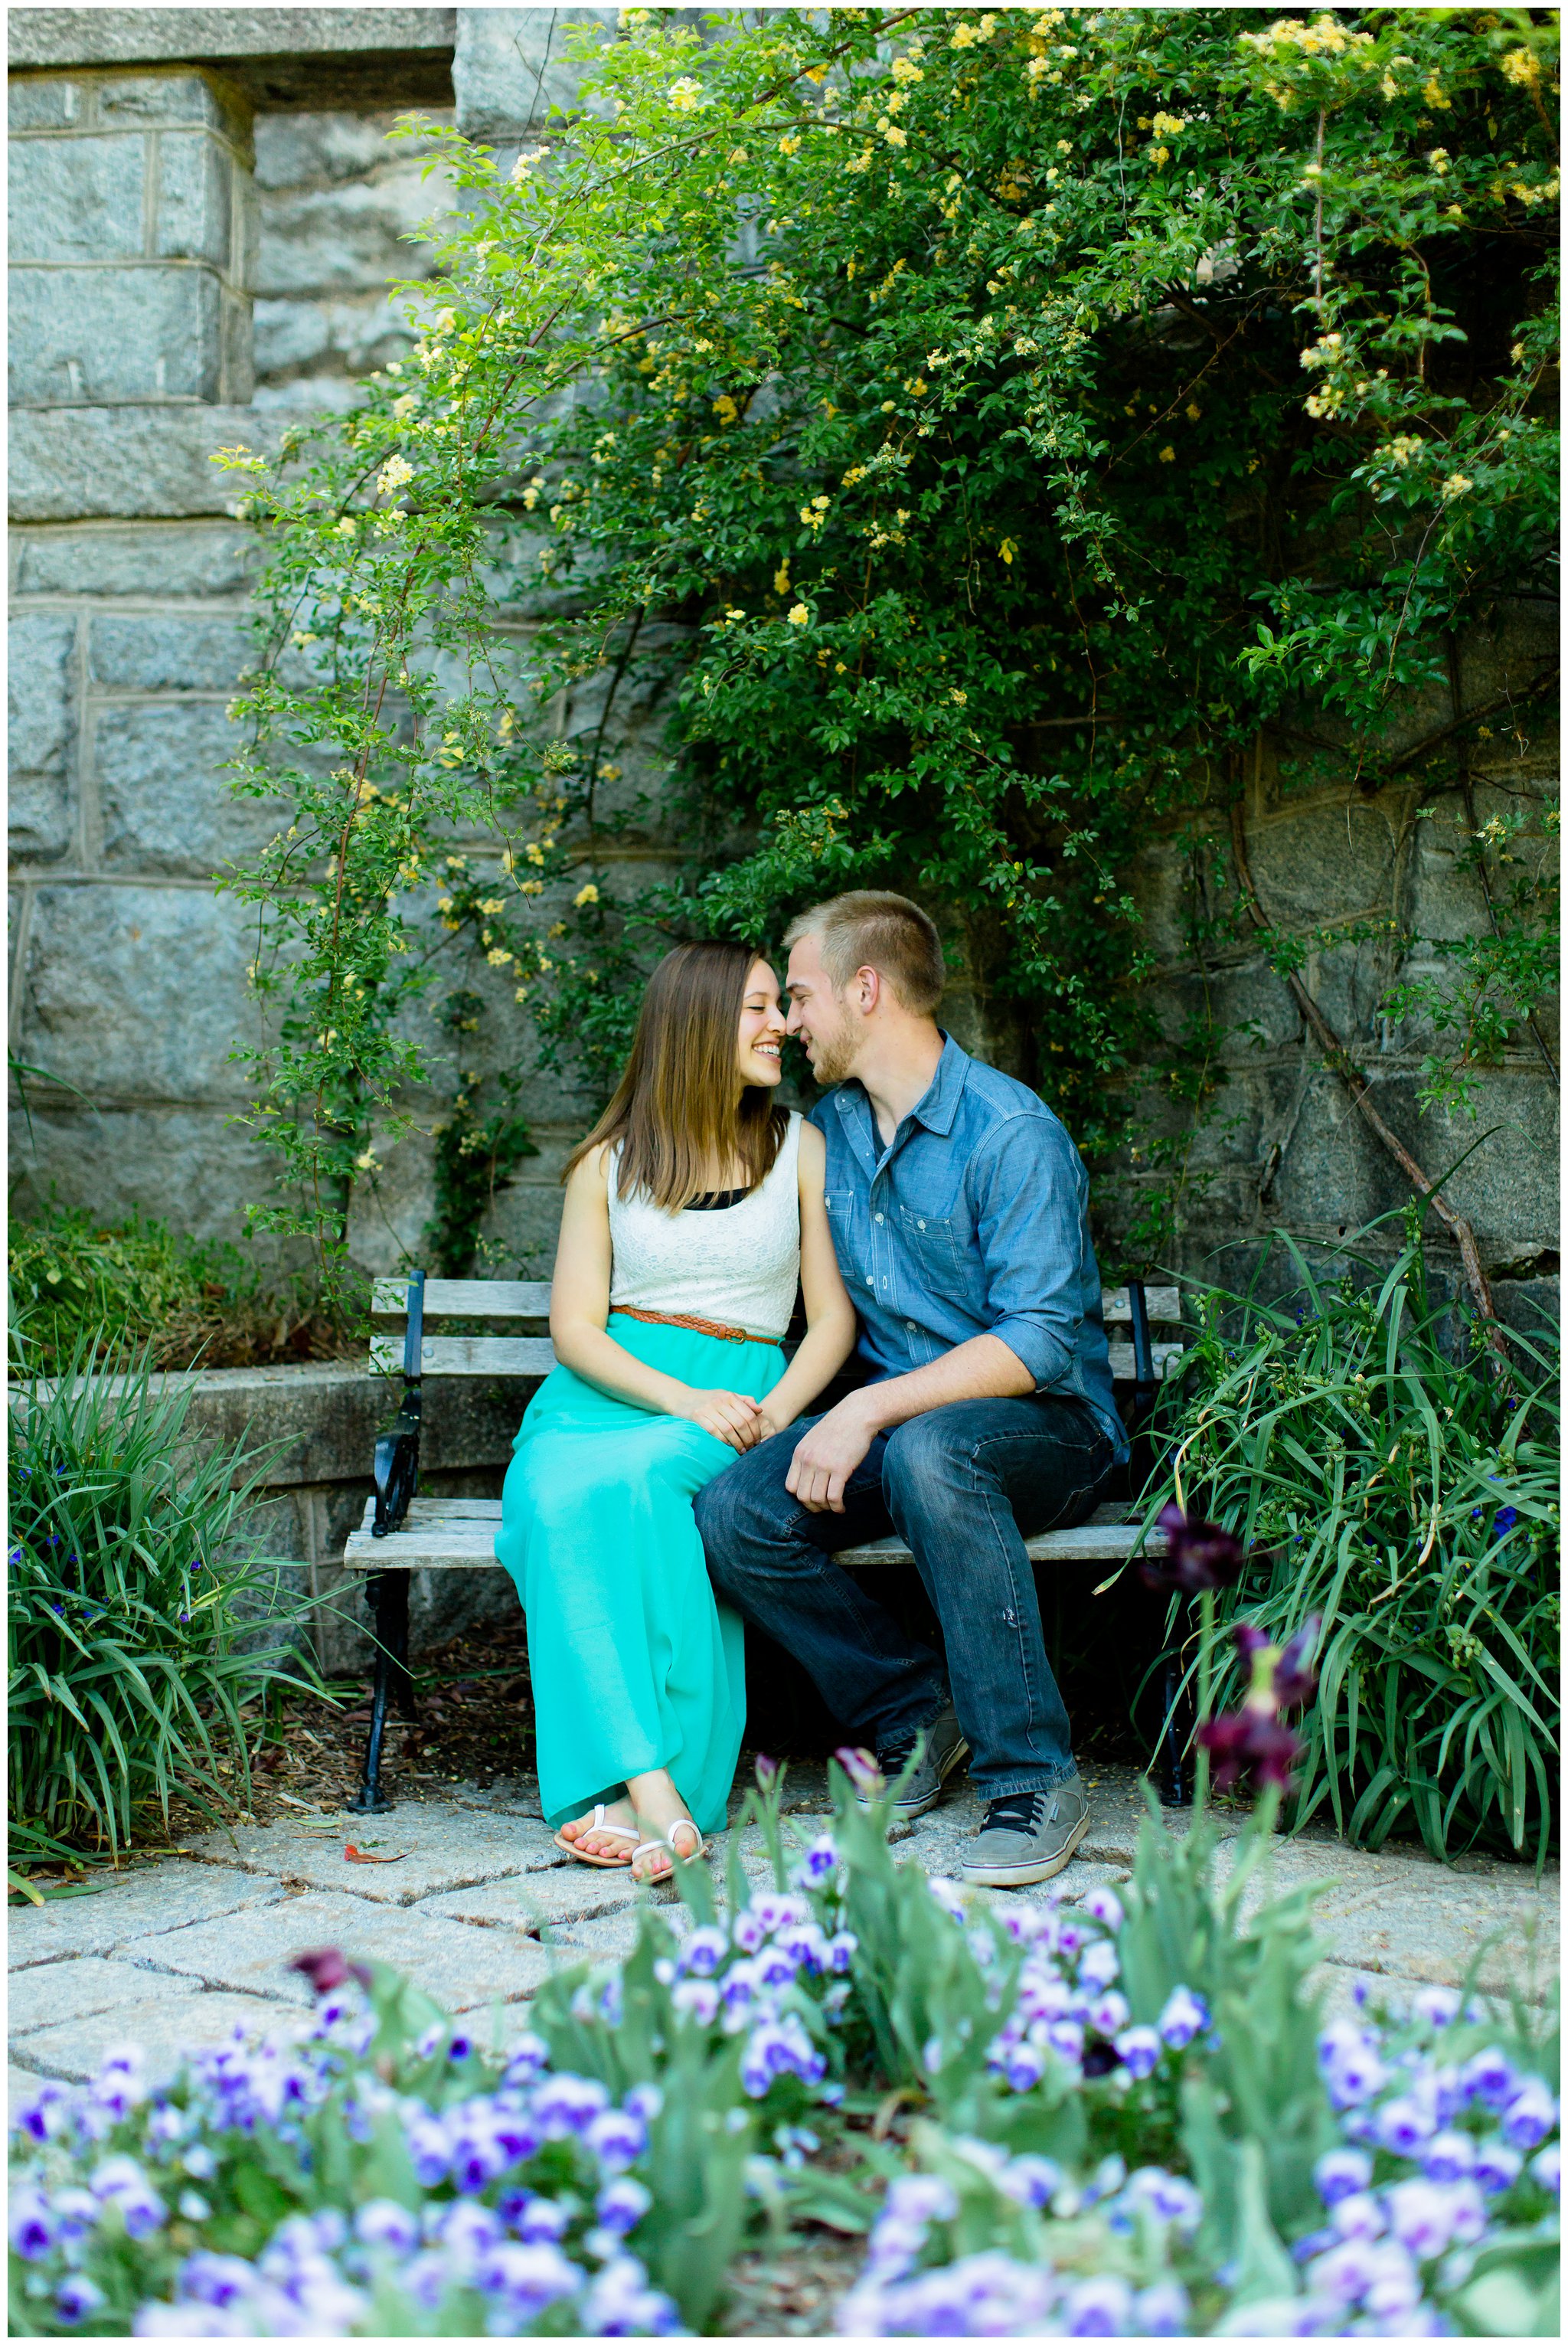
pixel 973 1222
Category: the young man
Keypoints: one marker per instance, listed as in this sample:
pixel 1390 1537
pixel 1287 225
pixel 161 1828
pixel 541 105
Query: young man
pixel 959 1210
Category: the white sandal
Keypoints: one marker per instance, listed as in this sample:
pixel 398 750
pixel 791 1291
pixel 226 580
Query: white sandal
pixel 682 1823
pixel 613 1832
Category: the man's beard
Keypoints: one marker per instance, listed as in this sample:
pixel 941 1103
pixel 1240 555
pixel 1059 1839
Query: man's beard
pixel 835 1057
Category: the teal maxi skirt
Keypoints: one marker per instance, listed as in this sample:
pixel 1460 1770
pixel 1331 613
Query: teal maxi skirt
pixel 634 1664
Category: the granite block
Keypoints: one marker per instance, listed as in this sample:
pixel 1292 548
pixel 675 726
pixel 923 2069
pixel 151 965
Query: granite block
pixel 148 461
pixel 558 1899
pixel 138 1906
pixel 54 1993
pixel 42 104
pixel 167 2028
pixel 109 999
pixel 440 1848
pixel 110 558
pixel 78 199
pixel 40 691
pixel 462 1967
pixel 195 199
pixel 173 651
pixel 115 337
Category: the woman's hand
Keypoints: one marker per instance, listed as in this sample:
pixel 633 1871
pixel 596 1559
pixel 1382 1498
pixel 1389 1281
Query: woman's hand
pixel 771 1420
pixel 729 1417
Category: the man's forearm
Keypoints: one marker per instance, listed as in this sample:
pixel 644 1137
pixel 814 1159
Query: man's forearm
pixel 984 1368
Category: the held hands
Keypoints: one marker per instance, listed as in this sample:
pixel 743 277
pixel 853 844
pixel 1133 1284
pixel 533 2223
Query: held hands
pixel 729 1417
pixel 826 1457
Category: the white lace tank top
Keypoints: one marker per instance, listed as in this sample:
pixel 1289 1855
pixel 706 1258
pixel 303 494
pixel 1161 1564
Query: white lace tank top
pixel 739 1266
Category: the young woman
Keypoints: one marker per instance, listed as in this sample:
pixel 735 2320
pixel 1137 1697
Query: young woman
pixel 692 1209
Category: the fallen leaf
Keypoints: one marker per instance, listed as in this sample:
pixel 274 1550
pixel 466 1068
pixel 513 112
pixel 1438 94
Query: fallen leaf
pixel 358 1856
pixel 290 1801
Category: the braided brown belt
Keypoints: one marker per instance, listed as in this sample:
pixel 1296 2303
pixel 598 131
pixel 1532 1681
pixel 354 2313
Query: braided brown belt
pixel 697 1327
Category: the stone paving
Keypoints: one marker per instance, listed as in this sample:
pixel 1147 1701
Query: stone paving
pixel 472 1899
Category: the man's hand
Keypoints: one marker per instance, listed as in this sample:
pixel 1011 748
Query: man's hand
pixel 826 1457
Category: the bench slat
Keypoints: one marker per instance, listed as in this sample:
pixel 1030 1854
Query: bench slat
pixel 469 1355
pixel 459 1535
pixel 1164 1304
pixel 1124 1364
pixel 466 1299
pixel 529 1298
pixel 534 1356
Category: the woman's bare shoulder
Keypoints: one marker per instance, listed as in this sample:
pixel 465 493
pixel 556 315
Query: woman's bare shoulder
pixel 813 1156
pixel 592 1171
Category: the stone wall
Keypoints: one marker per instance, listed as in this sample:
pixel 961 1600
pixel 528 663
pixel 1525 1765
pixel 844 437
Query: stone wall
pixel 205 216
pixel 1283 1143
pixel 206 213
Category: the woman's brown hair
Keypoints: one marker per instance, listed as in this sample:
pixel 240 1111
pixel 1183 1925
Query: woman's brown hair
pixel 676 1111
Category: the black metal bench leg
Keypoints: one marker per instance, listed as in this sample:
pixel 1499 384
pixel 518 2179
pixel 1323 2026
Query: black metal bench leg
pixel 389 1597
pixel 1175 1732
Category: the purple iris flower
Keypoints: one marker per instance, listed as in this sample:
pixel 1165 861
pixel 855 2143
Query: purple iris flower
pixel 1244 1742
pixel 1198 1555
pixel 328 1968
pixel 1294 1682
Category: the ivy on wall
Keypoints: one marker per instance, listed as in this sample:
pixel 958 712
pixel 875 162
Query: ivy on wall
pixel 989 424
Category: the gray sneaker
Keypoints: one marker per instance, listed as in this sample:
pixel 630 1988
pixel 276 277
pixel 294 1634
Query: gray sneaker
pixel 944 1748
pixel 1029 1836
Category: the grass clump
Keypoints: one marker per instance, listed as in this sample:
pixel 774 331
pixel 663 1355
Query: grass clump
pixel 1387 1473
pixel 140 1617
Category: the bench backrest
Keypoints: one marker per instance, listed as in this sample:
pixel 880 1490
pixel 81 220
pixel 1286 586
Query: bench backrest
pixel 419 1301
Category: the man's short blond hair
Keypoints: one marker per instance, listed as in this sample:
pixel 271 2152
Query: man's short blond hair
pixel 869 928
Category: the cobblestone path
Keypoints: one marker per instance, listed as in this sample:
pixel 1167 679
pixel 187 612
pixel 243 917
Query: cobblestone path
pixel 479 1906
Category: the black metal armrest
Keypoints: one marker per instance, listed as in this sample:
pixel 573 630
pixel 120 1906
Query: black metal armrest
pixel 396 1470
pixel 396 1466
pixel 1145 1384
pixel 396 1476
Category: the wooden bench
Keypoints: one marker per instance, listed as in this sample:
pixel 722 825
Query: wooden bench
pixel 402 1532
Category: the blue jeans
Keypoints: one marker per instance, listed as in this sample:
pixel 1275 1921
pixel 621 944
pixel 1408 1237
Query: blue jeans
pixel 962 1486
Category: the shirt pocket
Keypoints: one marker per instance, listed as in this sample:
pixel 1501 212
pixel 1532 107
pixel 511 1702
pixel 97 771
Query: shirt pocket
pixel 929 1246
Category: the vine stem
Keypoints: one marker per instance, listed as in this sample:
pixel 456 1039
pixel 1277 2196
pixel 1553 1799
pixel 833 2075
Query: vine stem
pixel 1318 222
pixel 1355 1082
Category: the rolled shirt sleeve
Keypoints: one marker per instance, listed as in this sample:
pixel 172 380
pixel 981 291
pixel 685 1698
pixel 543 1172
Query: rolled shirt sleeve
pixel 1030 1195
